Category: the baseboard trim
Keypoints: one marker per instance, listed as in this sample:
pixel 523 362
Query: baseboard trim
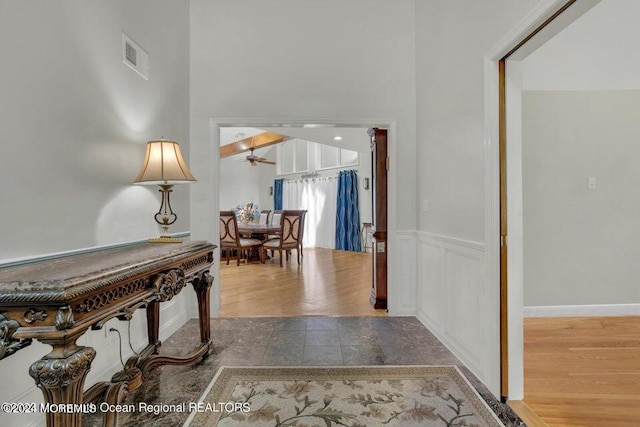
pixel 582 310
pixel 526 414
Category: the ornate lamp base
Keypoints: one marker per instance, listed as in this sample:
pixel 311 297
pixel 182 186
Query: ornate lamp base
pixel 165 217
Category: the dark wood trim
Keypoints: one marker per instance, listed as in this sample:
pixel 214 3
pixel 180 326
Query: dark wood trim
pixel 263 139
pixel 540 28
pixel 379 243
pixel 502 144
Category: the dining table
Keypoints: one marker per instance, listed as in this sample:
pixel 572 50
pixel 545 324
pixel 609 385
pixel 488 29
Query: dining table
pixel 260 232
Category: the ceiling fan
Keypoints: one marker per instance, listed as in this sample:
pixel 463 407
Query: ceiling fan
pixel 254 160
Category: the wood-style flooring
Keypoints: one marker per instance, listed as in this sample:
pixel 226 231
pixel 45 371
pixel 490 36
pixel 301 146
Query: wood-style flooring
pixel 327 283
pixel 583 371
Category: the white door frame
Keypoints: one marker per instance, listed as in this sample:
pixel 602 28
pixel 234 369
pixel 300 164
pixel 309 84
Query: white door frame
pixel 211 202
pixel 537 17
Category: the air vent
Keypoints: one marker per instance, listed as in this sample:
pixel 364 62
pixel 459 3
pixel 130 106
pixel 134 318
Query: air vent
pixel 134 56
pixel 131 54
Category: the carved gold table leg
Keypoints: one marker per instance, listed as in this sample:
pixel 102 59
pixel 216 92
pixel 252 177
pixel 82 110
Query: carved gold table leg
pixel 60 375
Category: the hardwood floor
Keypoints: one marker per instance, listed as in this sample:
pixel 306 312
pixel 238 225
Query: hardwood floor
pixel 327 283
pixel 583 371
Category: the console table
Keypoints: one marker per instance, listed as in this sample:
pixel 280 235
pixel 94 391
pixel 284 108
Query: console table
pixel 57 301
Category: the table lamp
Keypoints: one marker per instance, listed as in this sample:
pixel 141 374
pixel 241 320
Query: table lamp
pixel 163 165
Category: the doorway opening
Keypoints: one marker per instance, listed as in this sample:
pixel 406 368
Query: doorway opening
pixel 535 89
pixel 328 282
pixel 504 247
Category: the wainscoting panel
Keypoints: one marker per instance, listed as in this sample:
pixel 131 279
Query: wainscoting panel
pixel 452 300
pixel 464 314
pixel 402 294
pixel 431 288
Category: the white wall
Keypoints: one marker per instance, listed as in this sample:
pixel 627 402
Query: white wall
pixel 454 299
pixel 581 244
pixel 452 38
pixel 596 52
pixel 580 120
pixel 239 183
pixel 305 60
pixel 74 121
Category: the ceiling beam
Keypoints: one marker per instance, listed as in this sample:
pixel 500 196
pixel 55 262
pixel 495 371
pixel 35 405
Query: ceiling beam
pixel 263 139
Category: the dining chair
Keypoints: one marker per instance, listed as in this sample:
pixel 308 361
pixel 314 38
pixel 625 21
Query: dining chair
pixel 275 218
pixel 291 233
pixel 230 238
pixel 304 217
pixel 264 217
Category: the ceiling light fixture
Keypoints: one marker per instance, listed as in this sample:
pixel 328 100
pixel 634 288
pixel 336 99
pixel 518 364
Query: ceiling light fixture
pixel 338 138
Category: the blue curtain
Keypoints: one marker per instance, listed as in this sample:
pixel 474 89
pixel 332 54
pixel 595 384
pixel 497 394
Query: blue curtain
pixel 277 194
pixel 347 213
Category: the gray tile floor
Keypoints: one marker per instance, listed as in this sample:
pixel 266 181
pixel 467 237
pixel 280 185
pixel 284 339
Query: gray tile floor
pixel 308 341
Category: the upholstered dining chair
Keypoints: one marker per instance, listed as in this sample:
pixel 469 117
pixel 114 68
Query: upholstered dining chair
pixel 230 238
pixel 264 217
pixel 275 218
pixel 291 233
pixel 304 217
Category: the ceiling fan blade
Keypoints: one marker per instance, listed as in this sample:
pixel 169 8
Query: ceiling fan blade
pixel 265 161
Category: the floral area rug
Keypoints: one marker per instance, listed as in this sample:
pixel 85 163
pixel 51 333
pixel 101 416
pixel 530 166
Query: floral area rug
pixel 367 396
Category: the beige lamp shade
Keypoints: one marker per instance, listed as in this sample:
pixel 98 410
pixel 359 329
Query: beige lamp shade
pixel 163 164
